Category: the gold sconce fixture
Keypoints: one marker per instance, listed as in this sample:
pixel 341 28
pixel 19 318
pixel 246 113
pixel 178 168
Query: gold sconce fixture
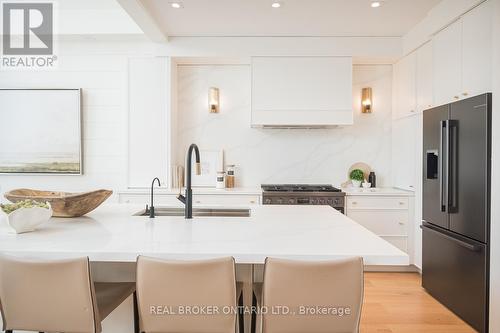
pixel 366 100
pixel 213 100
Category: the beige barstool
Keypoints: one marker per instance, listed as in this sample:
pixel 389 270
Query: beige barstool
pixel 55 296
pixel 171 295
pixel 317 295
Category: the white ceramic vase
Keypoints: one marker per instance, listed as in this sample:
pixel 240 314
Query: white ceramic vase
pixel 356 183
pixel 25 219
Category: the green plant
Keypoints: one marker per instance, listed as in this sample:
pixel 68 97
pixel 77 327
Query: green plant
pixel 9 208
pixel 357 174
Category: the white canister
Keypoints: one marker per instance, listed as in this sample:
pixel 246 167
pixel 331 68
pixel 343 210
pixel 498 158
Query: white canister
pixel 221 180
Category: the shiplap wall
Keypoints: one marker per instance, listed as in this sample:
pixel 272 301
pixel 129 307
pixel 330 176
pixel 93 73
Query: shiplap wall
pixel 102 69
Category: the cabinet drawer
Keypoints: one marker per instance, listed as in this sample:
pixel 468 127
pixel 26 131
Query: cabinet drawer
pixel 399 242
pixel 366 202
pixel 382 223
pixel 160 199
pixel 243 200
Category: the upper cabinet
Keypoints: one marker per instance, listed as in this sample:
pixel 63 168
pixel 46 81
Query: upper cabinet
pixel 301 91
pixel 462 56
pixel 412 83
pixel 404 87
pixel 447 50
pixel 477 50
pixel 425 96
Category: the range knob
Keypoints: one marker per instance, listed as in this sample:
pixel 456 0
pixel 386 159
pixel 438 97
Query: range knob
pixel 321 201
pixel 267 201
pixel 279 201
pixel 330 201
pixel 291 201
pixel 313 201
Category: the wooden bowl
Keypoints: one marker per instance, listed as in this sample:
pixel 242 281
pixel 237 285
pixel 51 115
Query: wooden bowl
pixel 63 204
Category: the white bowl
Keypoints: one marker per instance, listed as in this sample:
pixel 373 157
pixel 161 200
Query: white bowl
pixel 367 185
pixel 26 219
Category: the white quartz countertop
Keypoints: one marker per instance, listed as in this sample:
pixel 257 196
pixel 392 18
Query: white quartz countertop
pixel 112 234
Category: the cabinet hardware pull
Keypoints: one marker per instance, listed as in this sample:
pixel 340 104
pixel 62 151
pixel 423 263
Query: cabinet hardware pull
pixel 456 97
pixel 252 201
pixel 401 203
pixel 465 94
pixel 401 223
pixel 354 202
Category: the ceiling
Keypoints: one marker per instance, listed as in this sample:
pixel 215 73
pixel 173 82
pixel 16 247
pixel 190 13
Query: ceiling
pixel 294 18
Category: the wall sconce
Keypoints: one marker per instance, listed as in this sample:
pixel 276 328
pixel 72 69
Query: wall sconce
pixel 213 100
pixel 366 100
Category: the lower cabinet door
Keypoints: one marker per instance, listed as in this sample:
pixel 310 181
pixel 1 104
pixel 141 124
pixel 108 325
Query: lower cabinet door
pixel 382 223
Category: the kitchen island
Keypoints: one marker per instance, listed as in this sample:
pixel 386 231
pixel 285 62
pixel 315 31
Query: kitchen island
pixel 112 237
pixel 112 234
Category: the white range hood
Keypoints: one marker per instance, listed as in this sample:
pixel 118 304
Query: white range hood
pixel 301 92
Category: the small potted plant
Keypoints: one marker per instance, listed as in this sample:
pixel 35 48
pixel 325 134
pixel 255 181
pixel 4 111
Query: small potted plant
pixel 357 177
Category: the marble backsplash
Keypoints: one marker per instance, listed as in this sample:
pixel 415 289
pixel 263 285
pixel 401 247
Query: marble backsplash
pixel 282 155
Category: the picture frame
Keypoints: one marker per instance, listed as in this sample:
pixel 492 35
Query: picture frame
pixel 51 142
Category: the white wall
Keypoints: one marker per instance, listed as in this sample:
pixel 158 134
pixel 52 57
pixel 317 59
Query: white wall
pixel 101 69
pixel 269 155
pixel 495 188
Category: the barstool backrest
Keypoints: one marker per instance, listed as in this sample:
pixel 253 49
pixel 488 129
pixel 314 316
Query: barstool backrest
pixel 184 296
pixel 319 297
pixel 48 296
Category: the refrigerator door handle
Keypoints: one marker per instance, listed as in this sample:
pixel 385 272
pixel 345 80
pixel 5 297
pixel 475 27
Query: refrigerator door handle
pixel 452 157
pixel 442 166
pixel 470 247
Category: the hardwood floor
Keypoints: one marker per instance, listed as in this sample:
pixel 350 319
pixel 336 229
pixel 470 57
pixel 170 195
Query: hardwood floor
pixel 396 302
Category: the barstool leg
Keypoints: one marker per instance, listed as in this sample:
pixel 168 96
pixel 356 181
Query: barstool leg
pixel 136 314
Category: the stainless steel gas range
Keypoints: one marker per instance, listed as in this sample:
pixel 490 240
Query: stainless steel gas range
pixel 303 194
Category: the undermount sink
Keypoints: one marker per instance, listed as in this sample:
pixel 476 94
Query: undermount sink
pixel 199 212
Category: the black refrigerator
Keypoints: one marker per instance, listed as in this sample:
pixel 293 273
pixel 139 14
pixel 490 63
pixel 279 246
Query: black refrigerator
pixel 456 207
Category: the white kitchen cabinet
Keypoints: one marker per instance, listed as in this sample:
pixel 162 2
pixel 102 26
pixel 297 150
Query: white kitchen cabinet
pixel 301 91
pixel 226 200
pixel 447 64
pixel 404 144
pixel 477 50
pixel 170 199
pixel 462 56
pixel 405 99
pixel 389 217
pixel 147 123
pixel 424 84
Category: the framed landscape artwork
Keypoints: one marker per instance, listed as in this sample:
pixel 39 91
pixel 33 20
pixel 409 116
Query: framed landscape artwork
pixel 40 131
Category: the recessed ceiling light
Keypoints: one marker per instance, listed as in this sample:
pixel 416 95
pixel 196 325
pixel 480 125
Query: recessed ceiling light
pixel 276 4
pixel 376 4
pixel 176 5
